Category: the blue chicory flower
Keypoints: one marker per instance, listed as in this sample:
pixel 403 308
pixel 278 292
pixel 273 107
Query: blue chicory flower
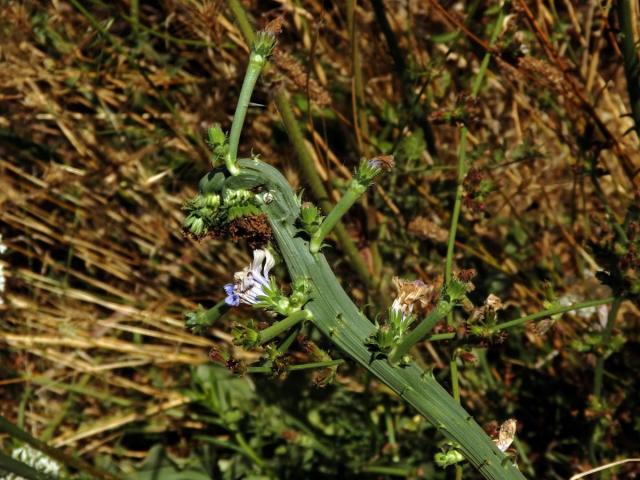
pixel 249 283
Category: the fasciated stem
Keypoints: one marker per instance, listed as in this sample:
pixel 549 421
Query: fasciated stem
pixel 277 328
pixel 350 197
pixel 256 64
pixel 345 326
pixel 438 313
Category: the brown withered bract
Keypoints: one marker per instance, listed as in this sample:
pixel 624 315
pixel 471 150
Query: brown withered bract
pixel 386 162
pixel 274 27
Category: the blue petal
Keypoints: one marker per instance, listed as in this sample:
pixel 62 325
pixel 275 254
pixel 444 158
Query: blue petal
pixel 232 300
pixel 228 288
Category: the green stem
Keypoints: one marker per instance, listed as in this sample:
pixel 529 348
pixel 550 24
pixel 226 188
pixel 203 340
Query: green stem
pixel 200 320
pixel 283 325
pixel 135 19
pixel 359 114
pixel 455 384
pixel 598 374
pixel 418 333
pixel 550 312
pixel 350 197
pixel 384 470
pixel 284 346
pixel 440 336
pixel 606 339
pixel 308 170
pixel 256 63
pixel 304 159
pixel 455 216
pixel 462 163
pixel 248 450
pixel 240 16
pixel 416 109
pixel 298 367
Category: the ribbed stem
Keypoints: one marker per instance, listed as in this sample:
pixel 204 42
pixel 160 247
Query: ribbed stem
pixel 339 319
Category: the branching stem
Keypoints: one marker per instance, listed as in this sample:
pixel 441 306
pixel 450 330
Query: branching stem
pixel 350 197
pixel 283 325
pixel 550 312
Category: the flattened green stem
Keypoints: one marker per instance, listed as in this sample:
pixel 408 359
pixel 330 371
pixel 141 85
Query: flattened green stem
pixel 283 325
pixel 438 313
pixel 350 197
pixel 344 325
pixel 256 64
pixel 550 312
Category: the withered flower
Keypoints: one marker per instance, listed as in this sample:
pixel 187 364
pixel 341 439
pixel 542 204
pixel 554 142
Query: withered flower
pixel 410 293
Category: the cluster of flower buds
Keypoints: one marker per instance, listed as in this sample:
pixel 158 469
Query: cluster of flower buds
pixel 455 292
pixel 207 211
pixel 200 320
pixel 450 455
pixel 203 213
pixel 246 335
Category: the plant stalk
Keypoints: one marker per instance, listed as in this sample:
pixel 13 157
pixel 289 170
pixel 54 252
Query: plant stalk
pixel 350 197
pixel 549 313
pixel 277 328
pixel 304 159
pixel 256 64
pixel 418 333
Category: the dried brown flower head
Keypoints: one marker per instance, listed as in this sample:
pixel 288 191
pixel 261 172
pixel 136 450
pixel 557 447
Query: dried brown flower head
pixel 411 293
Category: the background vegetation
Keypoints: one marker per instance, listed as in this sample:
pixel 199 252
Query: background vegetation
pixel 104 108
